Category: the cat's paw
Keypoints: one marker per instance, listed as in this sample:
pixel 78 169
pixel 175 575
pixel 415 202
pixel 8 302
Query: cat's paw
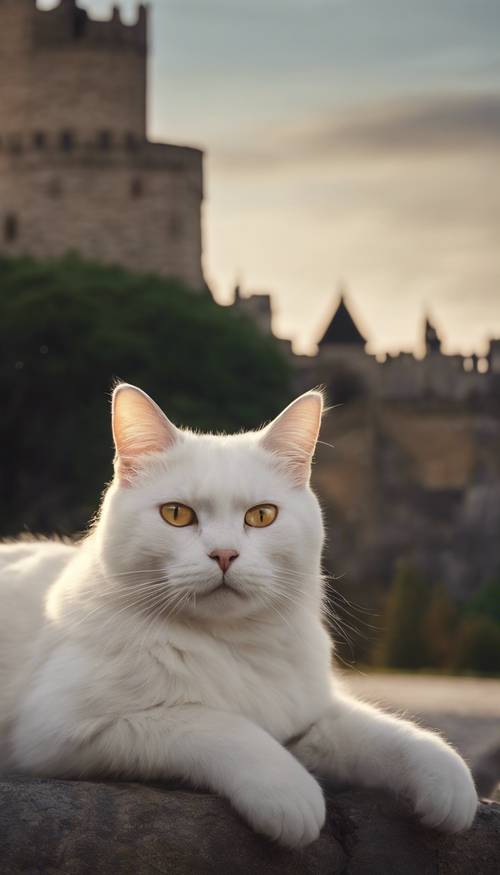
pixel 441 787
pixel 287 806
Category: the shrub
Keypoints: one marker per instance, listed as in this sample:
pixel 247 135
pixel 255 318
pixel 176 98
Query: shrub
pixel 477 646
pixel 440 623
pixel 486 602
pixel 403 643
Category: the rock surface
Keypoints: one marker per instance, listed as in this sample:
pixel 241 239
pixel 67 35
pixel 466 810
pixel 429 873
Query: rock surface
pixel 54 827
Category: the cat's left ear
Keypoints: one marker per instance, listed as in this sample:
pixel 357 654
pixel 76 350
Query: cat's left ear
pixel 292 436
pixel 139 428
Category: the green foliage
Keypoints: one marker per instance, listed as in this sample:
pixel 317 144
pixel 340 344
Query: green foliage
pixel 477 646
pixel 425 628
pixel 403 643
pixel 68 329
pixel 439 627
pixel 486 602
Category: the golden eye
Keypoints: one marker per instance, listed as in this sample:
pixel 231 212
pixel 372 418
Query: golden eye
pixel 178 515
pixel 261 516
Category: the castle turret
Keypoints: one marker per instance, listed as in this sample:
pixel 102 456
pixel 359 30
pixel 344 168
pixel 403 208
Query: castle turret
pixel 77 171
pixel 62 72
pixel 432 338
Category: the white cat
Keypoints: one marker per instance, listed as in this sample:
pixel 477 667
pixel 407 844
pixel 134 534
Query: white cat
pixel 183 637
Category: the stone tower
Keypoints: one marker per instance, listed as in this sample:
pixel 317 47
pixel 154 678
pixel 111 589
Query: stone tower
pixel 77 171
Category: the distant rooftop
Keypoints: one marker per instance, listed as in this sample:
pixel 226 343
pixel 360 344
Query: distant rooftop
pixel 342 329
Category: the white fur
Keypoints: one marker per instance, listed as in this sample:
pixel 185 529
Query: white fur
pixel 116 659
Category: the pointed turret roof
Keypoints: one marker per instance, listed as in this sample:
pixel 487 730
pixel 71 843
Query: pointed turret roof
pixel 342 328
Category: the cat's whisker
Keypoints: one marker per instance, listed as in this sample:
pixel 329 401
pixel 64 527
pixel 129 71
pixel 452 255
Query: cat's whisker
pixel 98 584
pixel 115 589
pixel 141 601
pixel 127 573
pixel 170 603
pixel 327 611
pixel 334 593
pixel 342 623
pixel 338 624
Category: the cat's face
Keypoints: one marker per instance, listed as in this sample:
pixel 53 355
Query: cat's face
pixel 212 527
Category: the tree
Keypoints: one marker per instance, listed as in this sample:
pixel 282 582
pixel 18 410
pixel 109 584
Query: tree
pixel 403 643
pixel 68 329
pixel 477 646
pixel 439 627
pixel 486 602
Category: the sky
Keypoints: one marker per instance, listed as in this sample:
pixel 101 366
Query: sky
pixel 349 143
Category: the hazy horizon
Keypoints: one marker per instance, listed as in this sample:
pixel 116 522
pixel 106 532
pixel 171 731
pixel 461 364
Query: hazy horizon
pixel 348 142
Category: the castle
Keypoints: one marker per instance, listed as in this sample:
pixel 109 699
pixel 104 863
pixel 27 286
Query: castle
pixel 343 365
pixel 77 171
pixel 350 372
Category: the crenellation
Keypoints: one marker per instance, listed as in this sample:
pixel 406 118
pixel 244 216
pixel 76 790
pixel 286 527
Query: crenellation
pixel 70 24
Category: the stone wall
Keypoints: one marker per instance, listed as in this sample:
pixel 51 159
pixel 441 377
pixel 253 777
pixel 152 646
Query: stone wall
pixel 141 209
pixel 55 76
pixel 420 481
pixel 63 828
pixel 349 373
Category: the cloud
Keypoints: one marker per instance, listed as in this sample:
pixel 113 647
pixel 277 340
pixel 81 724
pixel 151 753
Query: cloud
pixel 402 129
pixel 436 124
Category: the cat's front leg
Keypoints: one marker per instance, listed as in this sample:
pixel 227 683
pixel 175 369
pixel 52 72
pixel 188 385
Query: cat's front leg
pixel 229 754
pixel 356 744
pixel 216 750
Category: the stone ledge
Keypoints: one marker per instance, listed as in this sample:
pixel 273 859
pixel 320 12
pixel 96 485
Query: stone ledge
pixel 76 828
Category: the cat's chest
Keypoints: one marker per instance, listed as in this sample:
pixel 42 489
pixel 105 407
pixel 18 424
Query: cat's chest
pixel 269 685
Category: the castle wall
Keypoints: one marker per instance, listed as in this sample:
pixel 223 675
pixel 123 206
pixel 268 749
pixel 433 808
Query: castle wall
pixel 348 372
pixel 405 378
pixel 415 481
pixel 57 76
pixel 258 308
pixel 86 91
pixel 15 69
pixel 141 210
pixel 345 369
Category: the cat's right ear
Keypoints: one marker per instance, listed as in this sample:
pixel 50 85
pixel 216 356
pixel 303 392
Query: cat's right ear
pixel 139 428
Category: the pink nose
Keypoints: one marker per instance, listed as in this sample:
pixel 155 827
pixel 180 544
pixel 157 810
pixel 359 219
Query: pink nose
pixel 224 557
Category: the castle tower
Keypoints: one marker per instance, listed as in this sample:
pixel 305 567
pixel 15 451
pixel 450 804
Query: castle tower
pixel 432 338
pixel 77 171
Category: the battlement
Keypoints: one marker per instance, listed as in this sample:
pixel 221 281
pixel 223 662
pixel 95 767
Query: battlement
pixel 64 151
pixel 69 23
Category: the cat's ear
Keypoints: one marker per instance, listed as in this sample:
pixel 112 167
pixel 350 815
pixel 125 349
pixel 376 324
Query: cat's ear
pixel 292 436
pixel 139 427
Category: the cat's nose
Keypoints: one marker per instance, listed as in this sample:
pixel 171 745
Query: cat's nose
pixel 224 558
